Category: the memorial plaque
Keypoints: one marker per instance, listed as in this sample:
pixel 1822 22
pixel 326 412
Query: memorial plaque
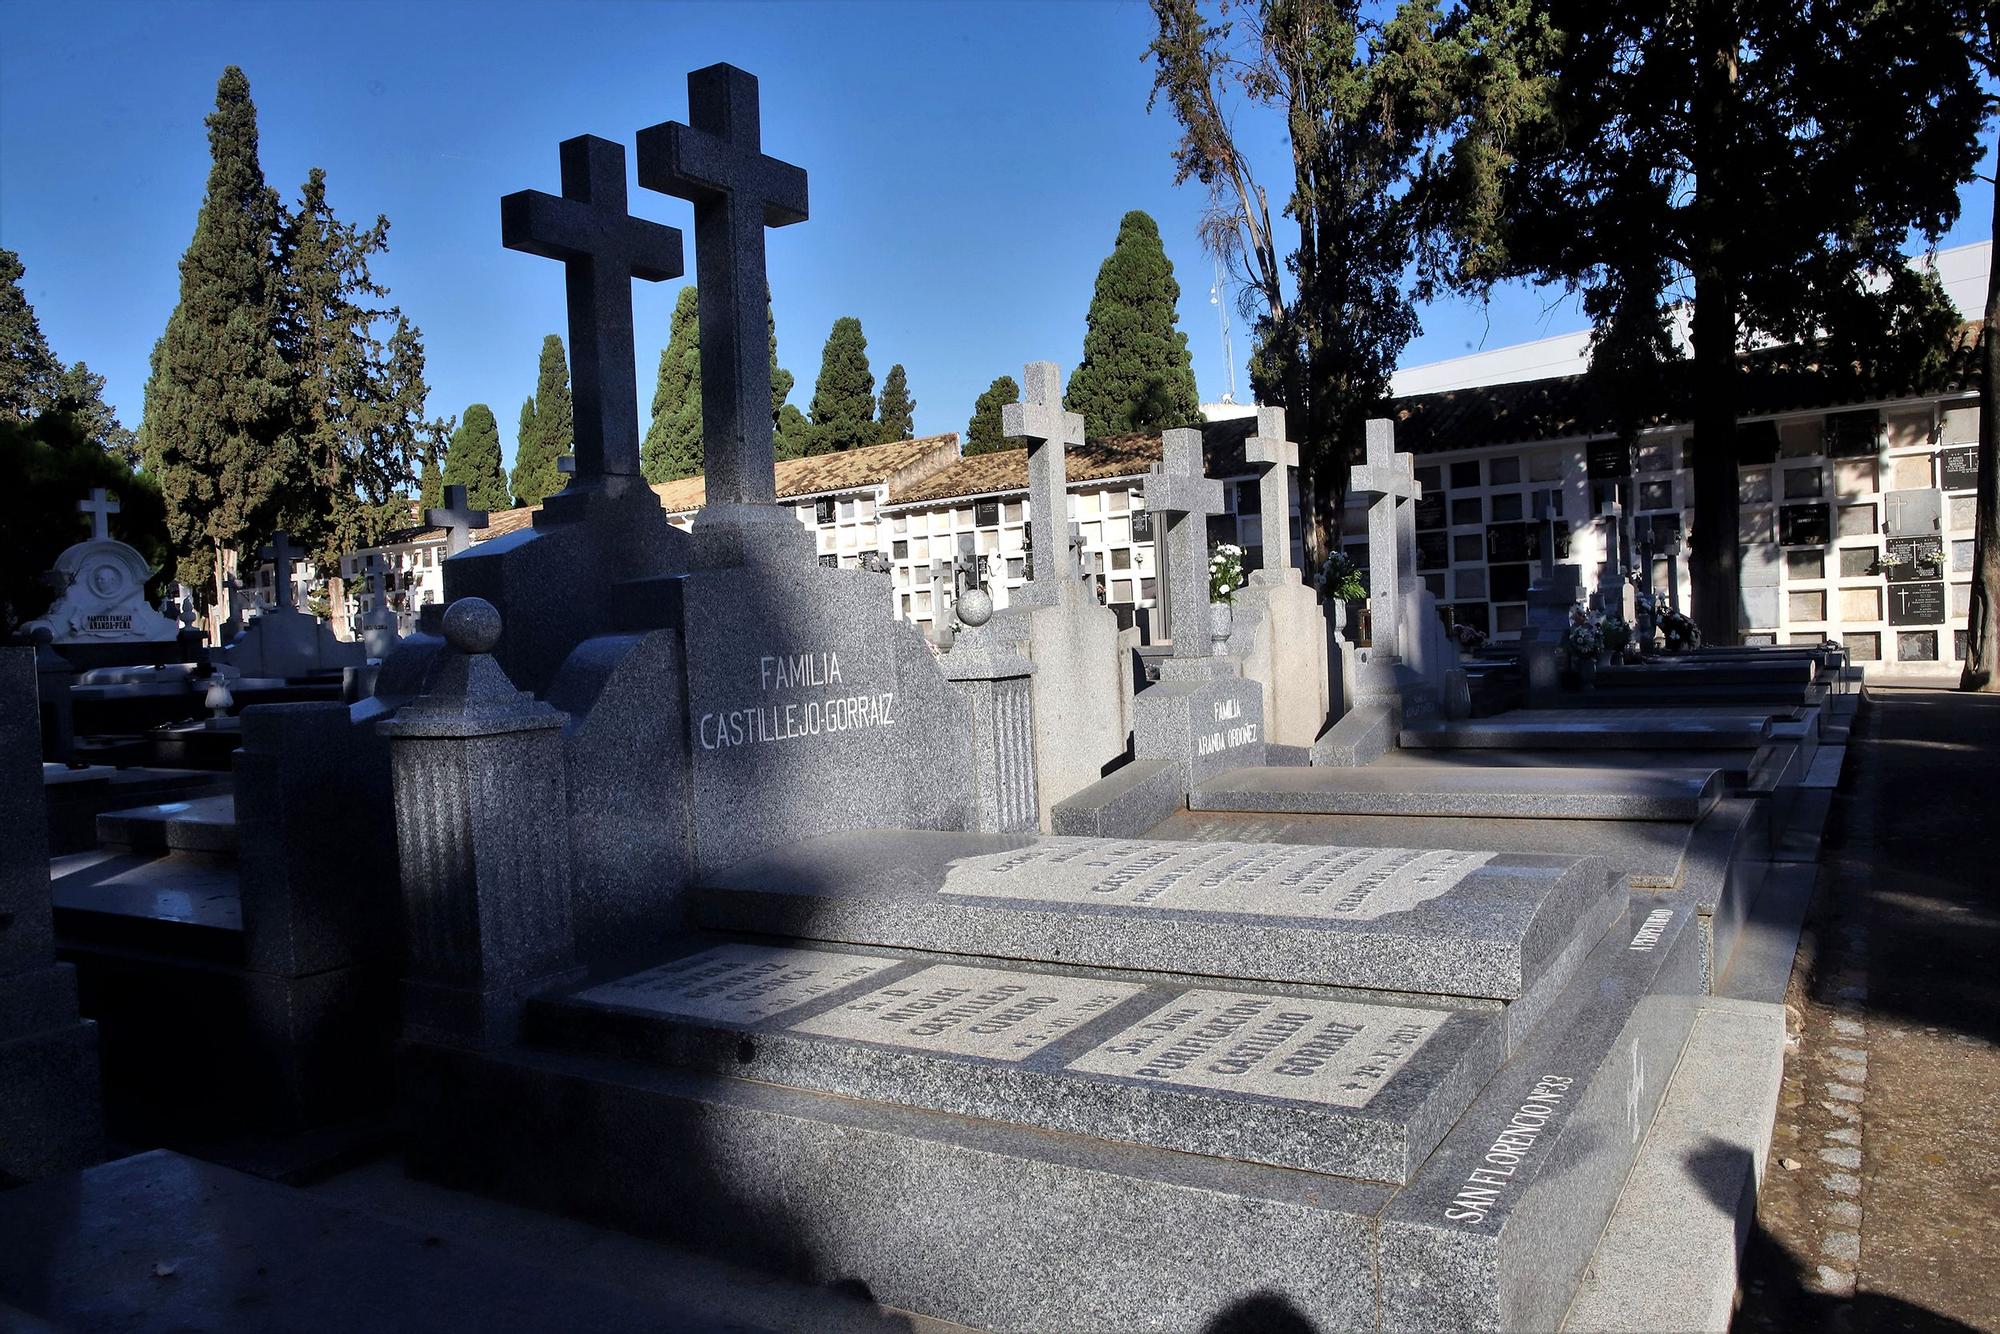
pixel 1607 459
pixel 1958 469
pixel 1804 525
pixel 1853 434
pixel 1257 879
pixel 1311 1050
pixel 1430 510
pixel 1755 442
pixel 738 984
pixel 1507 583
pixel 1916 558
pixel 999 1015
pixel 1913 513
pixel 1513 541
pixel 1916 604
pixel 1433 551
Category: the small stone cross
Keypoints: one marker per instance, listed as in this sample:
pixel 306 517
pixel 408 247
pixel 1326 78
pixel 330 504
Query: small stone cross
pixel 1277 457
pixel 717 163
pixel 603 248
pixel 1545 516
pixel 1039 420
pixel 1390 478
pixel 100 507
pixel 1177 490
pixel 281 553
pixel 458 520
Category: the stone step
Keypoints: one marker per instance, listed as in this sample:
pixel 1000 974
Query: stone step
pixel 1597 729
pixel 198 824
pixel 1669 695
pixel 1792 672
pixel 1000 1225
pixel 1491 793
pixel 185 904
pixel 1284 1077
pixel 1497 925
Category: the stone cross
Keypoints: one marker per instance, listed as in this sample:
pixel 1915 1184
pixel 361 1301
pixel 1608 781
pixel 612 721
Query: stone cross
pixel 100 507
pixel 717 163
pixel 1039 420
pixel 1177 491
pixel 1390 478
pixel 458 520
pixel 281 553
pixel 1278 456
pixel 1611 575
pixel 377 570
pixel 1545 515
pixel 602 248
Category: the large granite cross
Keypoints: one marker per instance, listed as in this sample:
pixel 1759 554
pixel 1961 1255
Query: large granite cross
pixel 1611 574
pixel 1276 456
pixel 1177 490
pixel 1390 479
pixel 100 507
pixel 603 248
pixel 717 163
pixel 377 571
pixel 458 519
pixel 1039 420
pixel 281 553
pixel 1545 516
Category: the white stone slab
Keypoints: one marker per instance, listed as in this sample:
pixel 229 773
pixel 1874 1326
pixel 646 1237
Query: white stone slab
pixel 738 984
pixel 1001 1015
pixel 1305 1049
pixel 1261 879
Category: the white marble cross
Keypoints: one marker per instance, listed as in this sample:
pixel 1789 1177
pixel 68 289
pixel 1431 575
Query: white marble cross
pixel 281 553
pixel 1277 457
pixel 1390 478
pixel 1039 421
pixel 1180 494
pixel 100 507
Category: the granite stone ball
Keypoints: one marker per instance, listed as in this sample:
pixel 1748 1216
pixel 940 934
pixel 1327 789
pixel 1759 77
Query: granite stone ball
pixel 472 625
pixel 975 606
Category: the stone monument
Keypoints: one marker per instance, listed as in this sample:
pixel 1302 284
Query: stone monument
pixel 284 642
pixel 103 581
pixel 1279 629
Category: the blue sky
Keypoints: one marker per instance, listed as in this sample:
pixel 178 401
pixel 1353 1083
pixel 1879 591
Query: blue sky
pixel 968 165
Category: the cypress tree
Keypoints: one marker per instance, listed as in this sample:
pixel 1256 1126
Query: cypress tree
pixel 523 433
pixel 843 403
pixel 28 370
pixel 216 432
pixel 473 460
pixel 536 476
pixel 1136 374
pixel 430 482
pixel 672 447
pixel 899 410
pixel 982 433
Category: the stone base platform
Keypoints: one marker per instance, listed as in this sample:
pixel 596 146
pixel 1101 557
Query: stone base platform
pixel 1598 729
pixel 1491 793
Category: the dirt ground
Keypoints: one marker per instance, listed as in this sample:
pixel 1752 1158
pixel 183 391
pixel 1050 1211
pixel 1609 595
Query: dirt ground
pixel 1881 1203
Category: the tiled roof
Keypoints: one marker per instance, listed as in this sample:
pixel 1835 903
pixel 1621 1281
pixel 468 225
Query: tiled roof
pixel 1006 470
pixel 845 470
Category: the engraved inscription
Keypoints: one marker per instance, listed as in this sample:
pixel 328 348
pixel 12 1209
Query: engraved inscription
pixel 990 1012
pixel 1281 1046
pixel 1486 1184
pixel 800 694
pixel 738 984
pixel 1267 879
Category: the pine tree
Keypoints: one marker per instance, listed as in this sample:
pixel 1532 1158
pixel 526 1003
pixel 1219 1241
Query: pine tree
pixel 1136 374
pixel 536 476
pixel 843 403
pixel 80 393
pixel 672 447
pixel 982 433
pixel 28 370
pixel 473 460
pixel 217 427
pixel 899 410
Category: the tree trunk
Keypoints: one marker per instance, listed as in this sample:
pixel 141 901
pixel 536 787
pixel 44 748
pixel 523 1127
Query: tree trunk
pixel 1712 555
pixel 1982 630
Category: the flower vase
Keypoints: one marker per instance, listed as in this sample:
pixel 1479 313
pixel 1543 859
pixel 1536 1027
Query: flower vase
pixel 1586 673
pixel 1221 615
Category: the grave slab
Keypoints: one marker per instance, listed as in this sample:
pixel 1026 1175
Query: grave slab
pixel 1451 923
pixel 1496 1229
pixel 1606 729
pixel 201 824
pixel 1525 793
pixel 1325 1083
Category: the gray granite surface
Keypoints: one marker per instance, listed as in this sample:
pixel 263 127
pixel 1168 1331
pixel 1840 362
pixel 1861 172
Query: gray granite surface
pixel 1327 1083
pixel 1495 1231
pixel 1205 727
pixel 201 824
pixel 1125 803
pixel 195 890
pixel 1519 793
pixel 1608 728
pixel 1467 924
